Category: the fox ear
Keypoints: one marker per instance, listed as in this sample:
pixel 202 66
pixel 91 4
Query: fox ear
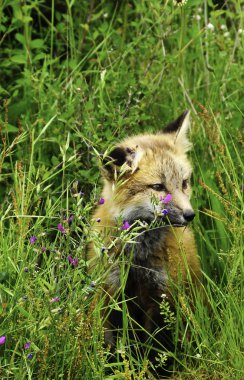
pixel 178 129
pixel 118 157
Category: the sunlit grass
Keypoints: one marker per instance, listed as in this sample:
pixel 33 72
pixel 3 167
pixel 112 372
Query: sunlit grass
pixel 73 82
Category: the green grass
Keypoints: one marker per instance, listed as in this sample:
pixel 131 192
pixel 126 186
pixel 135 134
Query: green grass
pixel 75 78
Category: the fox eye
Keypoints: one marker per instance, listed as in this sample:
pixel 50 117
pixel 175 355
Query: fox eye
pixel 184 184
pixel 158 187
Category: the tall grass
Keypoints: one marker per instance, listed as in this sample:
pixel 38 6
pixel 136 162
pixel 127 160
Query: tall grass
pixel 76 78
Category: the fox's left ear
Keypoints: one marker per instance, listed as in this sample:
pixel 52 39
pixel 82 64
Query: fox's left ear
pixel 121 156
pixel 178 129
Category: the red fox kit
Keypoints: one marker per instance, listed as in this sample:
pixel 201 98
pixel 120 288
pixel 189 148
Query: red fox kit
pixel 147 184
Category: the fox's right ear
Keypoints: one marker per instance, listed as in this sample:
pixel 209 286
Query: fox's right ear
pixel 178 129
pixel 119 157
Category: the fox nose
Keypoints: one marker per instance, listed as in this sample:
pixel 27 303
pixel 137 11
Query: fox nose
pixel 189 215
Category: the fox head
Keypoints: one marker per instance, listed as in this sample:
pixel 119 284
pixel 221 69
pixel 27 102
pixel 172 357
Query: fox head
pixel 142 171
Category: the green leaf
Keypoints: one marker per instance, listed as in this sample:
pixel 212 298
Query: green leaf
pixel 38 57
pixel 6 290
pixel 11 128
pixel 3 91
pixel 19 37
pixel 18 59
pixel 4 276
pixel 37 44
pixel 55 161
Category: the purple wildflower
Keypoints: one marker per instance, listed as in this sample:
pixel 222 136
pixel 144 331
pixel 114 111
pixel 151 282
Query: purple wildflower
pixel 26 269
pixel 61 228
pixel 2 340
pixel 71 218
pixel 55 299
pixel 27 345
pixel 101 201
pixel 98 220
pixel 68 220
pixel 43 249
pixel 125 225
pixel 165 211
pixel 29 356
pixel 165 200
pixel 73 261
pixel 33 239
pixel 242 188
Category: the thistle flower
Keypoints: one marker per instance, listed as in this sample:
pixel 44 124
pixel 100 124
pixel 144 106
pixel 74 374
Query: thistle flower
pixel 55 299
pixel 2 340
pixel 165 200
pixel 61 228
pixel 125 225
pixel 73 261
pixel 33 239
pixel 101 201
pixel 27 345
pixel 71 218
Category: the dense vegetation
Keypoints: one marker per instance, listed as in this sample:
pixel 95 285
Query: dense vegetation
pixel 77 76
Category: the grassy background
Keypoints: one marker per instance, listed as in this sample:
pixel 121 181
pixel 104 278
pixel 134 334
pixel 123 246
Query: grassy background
pixel 76 77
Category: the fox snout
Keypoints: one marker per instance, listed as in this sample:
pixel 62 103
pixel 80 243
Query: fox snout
pixel 189 215
pixel 180 217
pixel 180 211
